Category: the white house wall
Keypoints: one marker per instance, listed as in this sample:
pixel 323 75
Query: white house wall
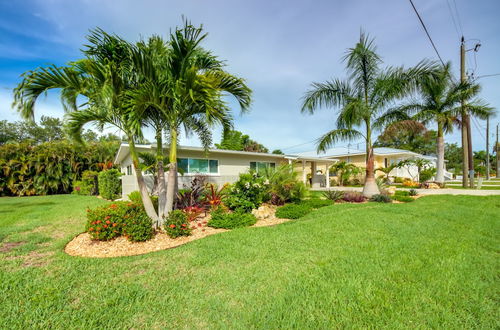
pixel 230 166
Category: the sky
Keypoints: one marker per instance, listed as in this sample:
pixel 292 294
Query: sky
pixel 279 47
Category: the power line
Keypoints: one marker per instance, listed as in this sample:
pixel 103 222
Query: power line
pixel 474 120
pixel 426 32
pixel 453 17
pixel 458 17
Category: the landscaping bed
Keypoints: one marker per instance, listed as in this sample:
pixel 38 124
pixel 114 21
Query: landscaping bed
pixel 84 246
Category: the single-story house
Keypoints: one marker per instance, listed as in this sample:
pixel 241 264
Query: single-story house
pixel 219 166
pixel 384 157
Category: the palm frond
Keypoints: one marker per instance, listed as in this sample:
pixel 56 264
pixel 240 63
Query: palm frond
pixel 337 135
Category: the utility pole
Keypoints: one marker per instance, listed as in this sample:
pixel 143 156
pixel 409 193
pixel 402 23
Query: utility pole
pixel 497 147
pixel 465 148
pixel 488 148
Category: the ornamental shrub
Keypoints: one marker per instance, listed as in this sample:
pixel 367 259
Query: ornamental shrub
pixel 177 224
pixel 221 219
pixel 139 227
pixel 120 218
pixel 135 197
pixel 110 184
pixel 316 203
pixel 106 222
pixel 333 195
pixel 247 193
pixel 79 188
pixel 412 192
pixel 353 197
pixel 293 211
pixel 381 198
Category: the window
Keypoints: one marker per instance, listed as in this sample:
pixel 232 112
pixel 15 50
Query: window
pixel 129 170
pixel 197 165
pixel 261 166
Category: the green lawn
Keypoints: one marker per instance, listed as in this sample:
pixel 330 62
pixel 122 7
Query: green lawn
pixel 432 263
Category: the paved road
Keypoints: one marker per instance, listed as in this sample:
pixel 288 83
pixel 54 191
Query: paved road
pixel 446 191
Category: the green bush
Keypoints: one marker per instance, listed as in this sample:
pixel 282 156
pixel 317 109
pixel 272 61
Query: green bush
pixel 333 195
pixel 139 227
pixel 398 179
pixel 427 174
pixel 120 218
pixel 110 184
pixel 177 224
pixel 247 193
pixel 316 203
pixel 293 211
pixel 381 198
pixel 221 219
pixel 79 188
pixel 402 193
pixel 412 192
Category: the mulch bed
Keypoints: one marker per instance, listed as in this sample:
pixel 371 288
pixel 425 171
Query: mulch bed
pixel 83 246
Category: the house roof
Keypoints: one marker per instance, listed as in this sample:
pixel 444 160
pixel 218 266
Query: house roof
pixel 343 152
pixel 123 151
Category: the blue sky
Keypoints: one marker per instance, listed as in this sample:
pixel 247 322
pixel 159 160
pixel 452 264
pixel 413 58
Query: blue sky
pixel 279 47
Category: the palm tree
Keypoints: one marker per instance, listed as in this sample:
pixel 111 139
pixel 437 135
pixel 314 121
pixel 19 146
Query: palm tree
pixel 102 79
pixel 438 103
pixel 367 92
pixel 344 171
pixel 183 88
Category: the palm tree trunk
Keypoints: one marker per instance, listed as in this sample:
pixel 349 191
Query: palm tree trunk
pixel 370 188
pixel 172 172
pixel 162 192
pixel 146 200
pixel 440 155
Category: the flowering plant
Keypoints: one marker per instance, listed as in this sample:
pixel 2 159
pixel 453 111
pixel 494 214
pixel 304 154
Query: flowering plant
pixel 177 224
pixel 247 193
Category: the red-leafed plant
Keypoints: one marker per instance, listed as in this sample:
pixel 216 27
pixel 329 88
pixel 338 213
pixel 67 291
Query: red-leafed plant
pixel 193 212
pixel 353 197
pixel 214 195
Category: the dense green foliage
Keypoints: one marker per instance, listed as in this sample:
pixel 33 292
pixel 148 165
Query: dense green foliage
pixel 222 219
pixel 121 218
pixel 282 185
pixel 110 184
pixel 236 140
pixel 51 167
pixel 247 193
pixel 88 184
pixel 427 264
pixel 381 198
pixel 177 224
pixel 293 211
pixel 415 138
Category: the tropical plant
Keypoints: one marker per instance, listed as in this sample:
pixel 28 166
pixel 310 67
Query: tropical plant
pixel 333 195
pixel 103 78
pixel 214 196
pixel 183 86
pixel 381 198
pixel 283 185
pixel 353 197
pixel 412 192
pixel 236 140
pixel 193 196
pixel 368 92
pixel 438 102
pixel 344 171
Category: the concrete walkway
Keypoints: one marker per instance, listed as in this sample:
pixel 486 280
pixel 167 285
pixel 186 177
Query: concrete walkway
pixel 445 191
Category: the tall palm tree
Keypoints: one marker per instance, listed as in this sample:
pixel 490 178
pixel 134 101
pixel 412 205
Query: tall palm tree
pixel 183 88
pixel 367 92
pixel 102 79
pixel 438 103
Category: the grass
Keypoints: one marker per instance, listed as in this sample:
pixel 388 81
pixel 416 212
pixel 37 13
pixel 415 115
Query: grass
pixel 432 263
